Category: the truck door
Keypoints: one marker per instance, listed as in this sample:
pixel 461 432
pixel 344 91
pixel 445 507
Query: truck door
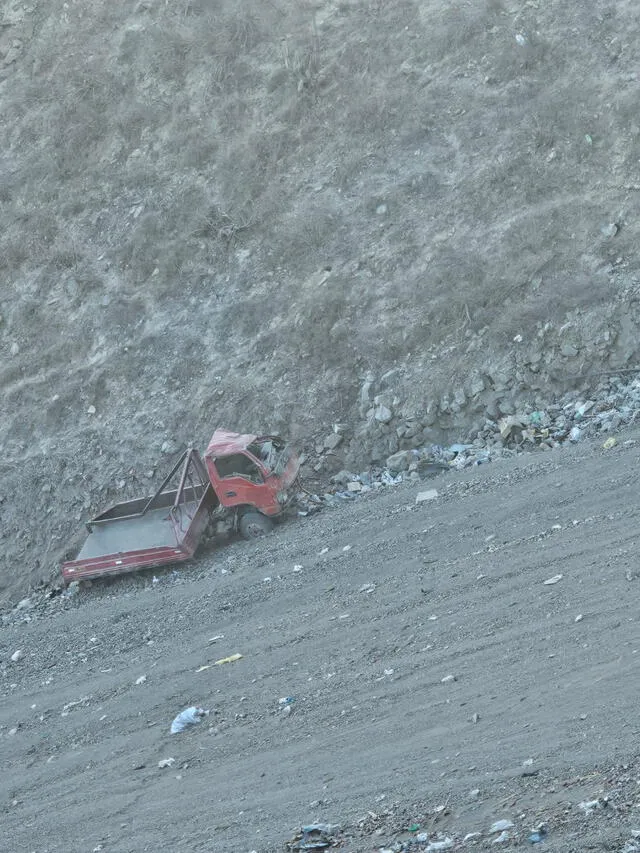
pixel 241 481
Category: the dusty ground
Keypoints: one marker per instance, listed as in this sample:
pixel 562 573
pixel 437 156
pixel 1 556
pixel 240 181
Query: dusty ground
pixel 453 587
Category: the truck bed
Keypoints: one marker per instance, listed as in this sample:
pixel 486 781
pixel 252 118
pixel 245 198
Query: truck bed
pixel 152 531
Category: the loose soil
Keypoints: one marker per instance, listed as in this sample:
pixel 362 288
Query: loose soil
pixel 392 597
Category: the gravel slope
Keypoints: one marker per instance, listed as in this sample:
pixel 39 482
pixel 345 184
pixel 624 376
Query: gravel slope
pixel 362 638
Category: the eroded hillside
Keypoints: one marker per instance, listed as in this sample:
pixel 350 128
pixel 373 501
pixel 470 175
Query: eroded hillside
pixel 215 213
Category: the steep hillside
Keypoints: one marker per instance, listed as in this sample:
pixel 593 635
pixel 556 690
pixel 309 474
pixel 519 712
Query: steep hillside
pixel 220 213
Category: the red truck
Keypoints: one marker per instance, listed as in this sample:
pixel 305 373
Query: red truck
pixel 245 481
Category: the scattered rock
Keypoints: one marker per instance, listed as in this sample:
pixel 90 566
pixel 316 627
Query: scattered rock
pixel 609 230
pixel 568 350
pixel 382 414
pixel 17 655
pixel 399 461
pixel 333 441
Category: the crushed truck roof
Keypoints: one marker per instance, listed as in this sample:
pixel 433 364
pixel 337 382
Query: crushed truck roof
pixel 223 443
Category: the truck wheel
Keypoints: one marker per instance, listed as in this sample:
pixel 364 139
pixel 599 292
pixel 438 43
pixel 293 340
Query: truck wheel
pixel 254 524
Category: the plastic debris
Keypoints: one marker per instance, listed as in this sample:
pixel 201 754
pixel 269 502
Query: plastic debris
pixel 189 717
pixel 166 762
pixel 17 655
pixel 72 590
pixel 501 826
pixel 609 443
pixel 500 839
pixel 553 580
pixel 537 836
pixel 141 680
pixel 589 806
pixel 575 434
pixel 230 659
pixel 429 495
pixel 316 836
pixel 443 844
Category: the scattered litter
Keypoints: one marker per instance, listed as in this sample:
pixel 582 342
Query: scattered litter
pixel 84 701
pixel 324 551
pixel 17 655
pixel 297 569
pixel 188 717
pixel 141 680
pixel 72 590
pixel 579 618
pixel 589 806
pixel 504 836
pixel 501 826
pixel 551 581
pixel 429 495
pixel 316 836
pixel 286 701
pixel 609 443
pixel 166 762
pixel 203 667
pixel 230 659
pixel 537 836
pixel 448 678
pixel 216 638
pixel 471 836
pixel 347 548
pixel 367 587
pixel 575 434
pixel 444 844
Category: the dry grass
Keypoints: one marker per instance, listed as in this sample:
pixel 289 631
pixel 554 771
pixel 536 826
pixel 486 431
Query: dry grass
pixel 166 138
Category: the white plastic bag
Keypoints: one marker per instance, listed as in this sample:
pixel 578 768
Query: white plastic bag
pixel 188 717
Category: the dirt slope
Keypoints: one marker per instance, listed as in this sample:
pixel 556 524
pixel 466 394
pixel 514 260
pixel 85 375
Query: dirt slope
pixel 362 638
pixel 213 215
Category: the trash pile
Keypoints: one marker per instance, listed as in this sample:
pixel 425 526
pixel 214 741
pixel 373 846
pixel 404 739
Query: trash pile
pixel 614 404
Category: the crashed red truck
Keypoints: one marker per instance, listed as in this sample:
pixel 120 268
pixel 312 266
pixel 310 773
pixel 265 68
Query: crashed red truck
pixel 243 481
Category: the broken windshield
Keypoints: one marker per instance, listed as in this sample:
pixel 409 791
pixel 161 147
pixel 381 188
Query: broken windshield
pixel 272 452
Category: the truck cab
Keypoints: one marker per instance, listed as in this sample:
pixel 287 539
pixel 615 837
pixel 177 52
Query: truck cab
pixel 253 474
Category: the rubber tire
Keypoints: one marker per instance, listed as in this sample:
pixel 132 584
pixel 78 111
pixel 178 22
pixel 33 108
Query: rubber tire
pixel 253 525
